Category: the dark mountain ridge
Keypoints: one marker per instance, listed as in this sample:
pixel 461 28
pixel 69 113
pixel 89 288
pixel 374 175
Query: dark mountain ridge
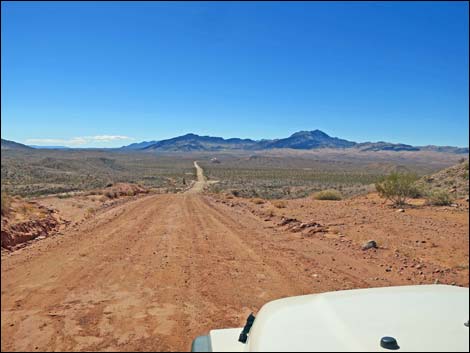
pixel 302 140
pixel 11 145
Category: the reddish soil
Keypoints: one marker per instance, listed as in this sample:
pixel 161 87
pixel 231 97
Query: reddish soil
pixel 25 221
pixel 152 273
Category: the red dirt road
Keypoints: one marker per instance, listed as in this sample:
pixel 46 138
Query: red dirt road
pixel 153 273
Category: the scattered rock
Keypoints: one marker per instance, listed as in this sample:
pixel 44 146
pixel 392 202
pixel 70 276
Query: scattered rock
pixel 286 220
pixel 400 210
pixel 369 245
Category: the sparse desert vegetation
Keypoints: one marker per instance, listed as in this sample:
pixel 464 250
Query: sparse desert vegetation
pixel 307 218
pixel 290 175
pixel 332 195
pixel 33 173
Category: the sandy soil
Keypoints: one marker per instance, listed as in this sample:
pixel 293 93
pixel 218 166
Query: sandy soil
pixel 154 272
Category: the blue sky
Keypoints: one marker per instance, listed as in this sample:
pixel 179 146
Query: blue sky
pixel 107 74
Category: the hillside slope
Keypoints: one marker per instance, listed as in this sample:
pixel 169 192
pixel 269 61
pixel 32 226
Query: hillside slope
pixel 12 145
pixel 453 180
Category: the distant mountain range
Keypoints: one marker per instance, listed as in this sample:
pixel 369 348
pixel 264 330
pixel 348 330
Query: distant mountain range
pixel 11 145
pixel 302 140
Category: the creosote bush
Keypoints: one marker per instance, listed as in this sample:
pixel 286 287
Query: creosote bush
pixel 397 187
pixel 438 198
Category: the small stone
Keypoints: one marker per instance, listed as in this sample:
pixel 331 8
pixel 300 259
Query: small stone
pixel 369 245
pixel 400 210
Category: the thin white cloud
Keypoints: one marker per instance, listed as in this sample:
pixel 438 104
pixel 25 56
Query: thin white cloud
pixel 81 140
pixel 108 138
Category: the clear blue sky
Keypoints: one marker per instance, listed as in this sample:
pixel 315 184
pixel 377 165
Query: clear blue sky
pixel 108 74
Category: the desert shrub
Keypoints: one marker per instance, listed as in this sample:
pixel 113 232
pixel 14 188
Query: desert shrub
pixel 271 213
pixel 279 203
pixel 438 198
pixel 130 193
pixel 111 194
pixel 90 212
pixel 328 195
pixel 417 192
pixel 258 201
pixel 64 196
pixel 397 187
pixel 5 203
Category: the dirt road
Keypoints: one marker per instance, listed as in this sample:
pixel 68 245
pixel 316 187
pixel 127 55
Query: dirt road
pixel 200 182
pixel 153 273
pixel 148 275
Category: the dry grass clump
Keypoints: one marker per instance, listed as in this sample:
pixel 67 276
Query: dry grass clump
pixel 6 201
pixel 279 203
pixel 26 209
pixel 90 212
pixel 332 195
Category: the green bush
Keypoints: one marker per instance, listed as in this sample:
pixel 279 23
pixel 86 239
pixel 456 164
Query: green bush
pixel 328 195
pixel 439 198
pixel 397 187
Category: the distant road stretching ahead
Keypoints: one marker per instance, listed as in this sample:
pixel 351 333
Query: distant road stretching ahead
pixel 200 183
